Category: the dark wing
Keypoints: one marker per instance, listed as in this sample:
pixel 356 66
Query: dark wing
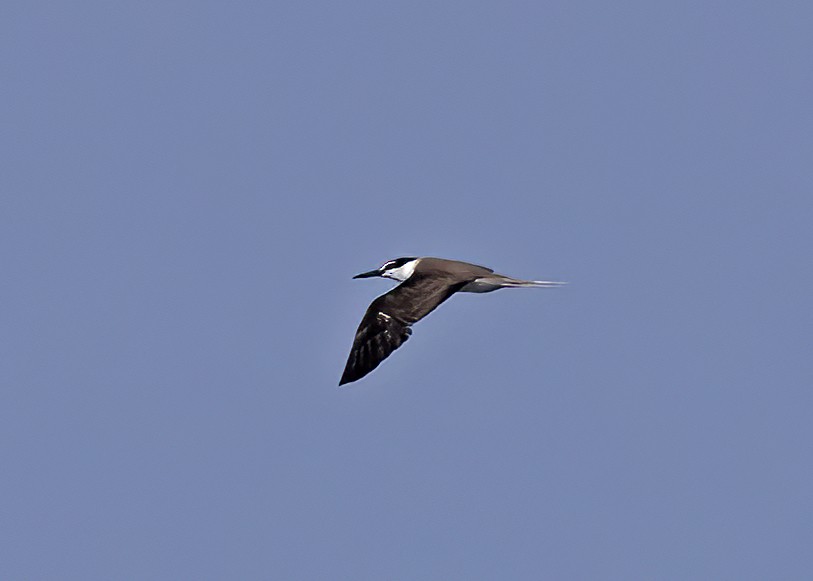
pixel 386 324
pixel 378 335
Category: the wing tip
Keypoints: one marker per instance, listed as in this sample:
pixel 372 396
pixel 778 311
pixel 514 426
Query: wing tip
pixel 347 377
pixel 351 374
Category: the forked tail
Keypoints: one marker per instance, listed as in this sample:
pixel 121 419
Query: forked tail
pixel 517 283
pixel 487 284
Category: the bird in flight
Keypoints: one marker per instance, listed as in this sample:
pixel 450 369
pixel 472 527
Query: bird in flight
pixel 425 284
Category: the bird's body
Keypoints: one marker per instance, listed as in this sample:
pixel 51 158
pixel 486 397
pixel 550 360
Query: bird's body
pixel 425 284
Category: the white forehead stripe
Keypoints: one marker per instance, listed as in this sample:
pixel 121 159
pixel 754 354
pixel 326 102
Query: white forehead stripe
pixel 403 272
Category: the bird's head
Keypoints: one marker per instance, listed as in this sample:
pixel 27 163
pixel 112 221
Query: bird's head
pixel 399 269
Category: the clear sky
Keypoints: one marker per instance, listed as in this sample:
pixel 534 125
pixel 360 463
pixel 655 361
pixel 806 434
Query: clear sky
pixel 188 187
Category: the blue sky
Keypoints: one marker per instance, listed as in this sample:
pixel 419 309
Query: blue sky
pixel 189 186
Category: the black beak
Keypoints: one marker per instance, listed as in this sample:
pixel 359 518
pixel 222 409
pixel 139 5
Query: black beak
pixel 368 274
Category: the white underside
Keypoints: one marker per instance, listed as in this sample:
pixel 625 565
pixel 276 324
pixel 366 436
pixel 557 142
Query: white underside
pixel 480 286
